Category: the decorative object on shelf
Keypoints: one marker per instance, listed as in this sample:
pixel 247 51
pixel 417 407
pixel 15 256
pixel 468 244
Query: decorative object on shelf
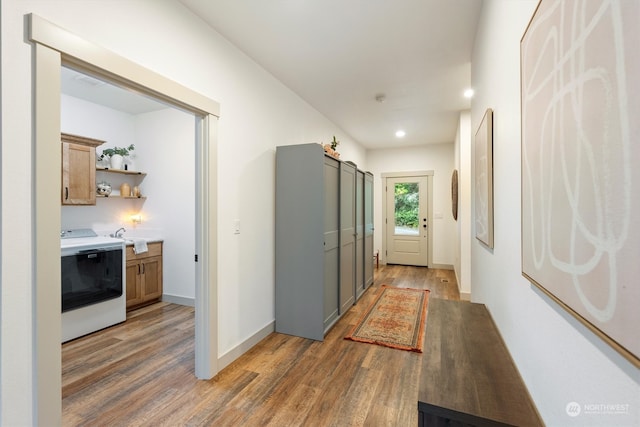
pixel 102 161
pixel 116 161
pixel 136 191
pixel 117 155
pixel 130 163
pixel 330 149
pixel 334 143
pixel 104 189
pixel 125 190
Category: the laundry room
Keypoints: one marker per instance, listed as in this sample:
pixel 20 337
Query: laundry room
pixel 145 205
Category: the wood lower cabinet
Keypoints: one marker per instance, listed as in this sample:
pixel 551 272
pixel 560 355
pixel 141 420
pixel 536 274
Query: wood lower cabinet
pixel 144 276
pixel 78 169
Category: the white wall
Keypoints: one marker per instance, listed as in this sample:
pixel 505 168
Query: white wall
pixel 560 360
pixel 440 159
pixel 462 264
pixel 257 114
pixel 167 154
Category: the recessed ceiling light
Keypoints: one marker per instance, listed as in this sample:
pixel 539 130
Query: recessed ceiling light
pixel 468 93
pixel 400 133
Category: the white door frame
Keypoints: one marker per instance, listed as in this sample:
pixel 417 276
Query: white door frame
pixel 54 47
pixel 412 174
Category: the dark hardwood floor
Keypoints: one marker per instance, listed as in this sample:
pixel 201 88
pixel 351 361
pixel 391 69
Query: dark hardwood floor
pixel 142 372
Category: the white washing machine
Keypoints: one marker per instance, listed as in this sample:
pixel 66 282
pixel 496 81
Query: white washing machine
pixel 93 282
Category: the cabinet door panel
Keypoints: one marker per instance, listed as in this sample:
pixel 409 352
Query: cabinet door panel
pixel 331 242
pixel 360 283
pixel 78 174
pixel 134 292
pixel 331 307
pixel 368 229
pixel 152 286
pixel 347 236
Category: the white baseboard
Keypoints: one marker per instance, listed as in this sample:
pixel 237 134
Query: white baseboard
pixel 175 299
pixel 464 296
pixel 227 358
pixel 231 355
pixel 442 266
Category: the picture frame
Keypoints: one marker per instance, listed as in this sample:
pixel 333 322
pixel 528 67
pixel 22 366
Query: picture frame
pixel 580 225
pixel 484 180
pixel 454 194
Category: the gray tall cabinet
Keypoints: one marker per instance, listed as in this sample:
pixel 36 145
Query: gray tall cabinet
pixel 364 231
pixel 318 249
pixel 368 229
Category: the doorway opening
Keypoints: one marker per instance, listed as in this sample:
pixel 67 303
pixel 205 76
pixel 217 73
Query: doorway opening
pixel 54 47
pixel 160 167
pixel 407 210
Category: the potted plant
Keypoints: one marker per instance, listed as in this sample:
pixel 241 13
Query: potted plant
pixel 331 148
pixel 116 155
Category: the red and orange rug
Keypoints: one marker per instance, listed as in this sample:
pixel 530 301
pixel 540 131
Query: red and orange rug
pixel 396 319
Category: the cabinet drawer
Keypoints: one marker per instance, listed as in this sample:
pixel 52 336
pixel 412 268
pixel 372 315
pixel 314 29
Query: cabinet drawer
pixel 155 249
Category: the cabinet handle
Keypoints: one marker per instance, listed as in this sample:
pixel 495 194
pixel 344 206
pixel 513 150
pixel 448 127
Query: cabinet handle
pixel 66 193
pixel 142 268
pixel 138 269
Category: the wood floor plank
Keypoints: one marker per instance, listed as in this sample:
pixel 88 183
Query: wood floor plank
pixel 141 372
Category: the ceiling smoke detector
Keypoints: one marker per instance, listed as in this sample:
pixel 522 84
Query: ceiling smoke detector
pixel 381 98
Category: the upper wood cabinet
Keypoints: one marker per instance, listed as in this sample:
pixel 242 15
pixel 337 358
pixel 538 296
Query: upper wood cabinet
pixel 79 169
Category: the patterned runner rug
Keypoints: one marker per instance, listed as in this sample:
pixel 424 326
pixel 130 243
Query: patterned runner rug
pixel 395 319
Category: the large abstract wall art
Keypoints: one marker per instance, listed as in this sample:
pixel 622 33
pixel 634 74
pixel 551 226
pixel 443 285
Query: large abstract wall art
pixel 580 64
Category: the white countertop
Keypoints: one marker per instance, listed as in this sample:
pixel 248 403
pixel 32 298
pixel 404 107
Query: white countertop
pixel 128 240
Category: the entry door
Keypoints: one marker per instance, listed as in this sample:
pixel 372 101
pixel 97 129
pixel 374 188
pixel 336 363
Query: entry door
pixel 406 220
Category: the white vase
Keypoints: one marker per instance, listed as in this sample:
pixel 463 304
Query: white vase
pixel 116 161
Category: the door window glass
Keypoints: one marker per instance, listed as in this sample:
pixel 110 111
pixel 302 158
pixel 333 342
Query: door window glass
pixel 407 202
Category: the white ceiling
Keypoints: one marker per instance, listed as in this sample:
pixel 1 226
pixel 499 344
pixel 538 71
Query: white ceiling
pixel 339 54
pixel 100 92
